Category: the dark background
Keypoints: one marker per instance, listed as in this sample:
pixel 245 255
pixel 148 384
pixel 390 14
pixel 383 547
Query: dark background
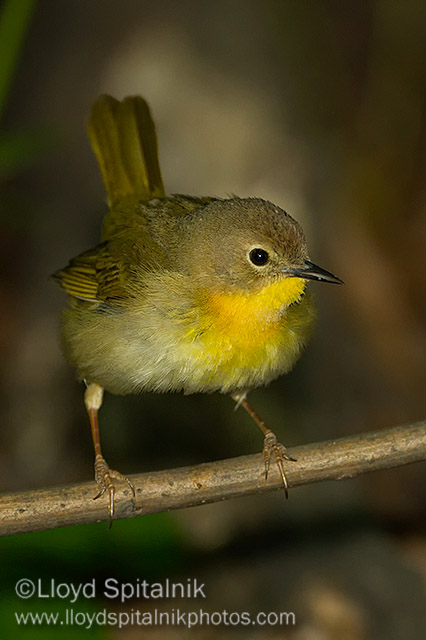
pixel 321 108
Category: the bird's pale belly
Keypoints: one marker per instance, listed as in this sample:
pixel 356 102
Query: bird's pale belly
pixel 222 349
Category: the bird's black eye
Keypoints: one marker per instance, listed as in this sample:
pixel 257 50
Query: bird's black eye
pixel 259 257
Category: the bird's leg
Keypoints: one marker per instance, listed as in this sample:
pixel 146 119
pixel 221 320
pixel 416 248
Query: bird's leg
pixel 104 476
pixel 271 446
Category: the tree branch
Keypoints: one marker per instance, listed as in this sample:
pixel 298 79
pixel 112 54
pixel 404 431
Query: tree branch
pixel 214 481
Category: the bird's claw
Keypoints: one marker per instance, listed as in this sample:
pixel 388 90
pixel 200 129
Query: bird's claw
pixel 271 447
pixel 105 477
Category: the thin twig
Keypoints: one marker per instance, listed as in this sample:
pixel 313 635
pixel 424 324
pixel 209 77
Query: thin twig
pixel 214 481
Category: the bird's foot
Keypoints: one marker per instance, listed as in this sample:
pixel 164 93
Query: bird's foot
pixel 273 448
pixel 105 477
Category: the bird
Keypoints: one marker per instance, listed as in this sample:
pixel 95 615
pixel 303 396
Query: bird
pixel 195 294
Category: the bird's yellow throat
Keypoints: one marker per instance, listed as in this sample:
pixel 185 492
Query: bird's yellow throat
pixel 249 319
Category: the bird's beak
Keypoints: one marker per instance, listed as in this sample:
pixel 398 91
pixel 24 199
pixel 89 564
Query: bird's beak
pixel 312 272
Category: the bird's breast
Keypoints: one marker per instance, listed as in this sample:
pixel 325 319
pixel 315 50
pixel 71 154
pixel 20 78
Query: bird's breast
pixel 246 340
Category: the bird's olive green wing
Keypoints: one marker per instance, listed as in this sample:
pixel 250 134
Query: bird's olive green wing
pixel 94 276
pixel 138 241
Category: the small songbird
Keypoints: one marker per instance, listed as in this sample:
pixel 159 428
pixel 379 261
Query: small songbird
pixel 192 294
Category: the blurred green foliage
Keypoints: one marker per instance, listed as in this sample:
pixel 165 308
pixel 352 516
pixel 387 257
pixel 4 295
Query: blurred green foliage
pixel 19 148
pixel 154 550
pixel 15 19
